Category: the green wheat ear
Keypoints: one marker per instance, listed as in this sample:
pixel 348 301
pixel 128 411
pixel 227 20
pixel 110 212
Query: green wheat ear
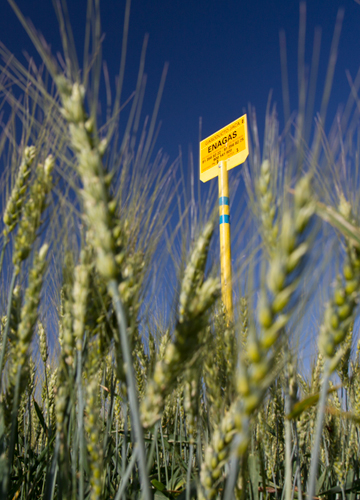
pixel 196 297
pixel 338 319
pixel 33 209
pixel 254 375
pixel 29 312
pixel 267 205
pixel 93 440
pixel 15 203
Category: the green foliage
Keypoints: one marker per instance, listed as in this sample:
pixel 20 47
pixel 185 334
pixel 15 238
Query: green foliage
pixel 101 397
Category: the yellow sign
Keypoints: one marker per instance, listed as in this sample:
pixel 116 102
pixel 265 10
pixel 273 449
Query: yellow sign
pixel 230 143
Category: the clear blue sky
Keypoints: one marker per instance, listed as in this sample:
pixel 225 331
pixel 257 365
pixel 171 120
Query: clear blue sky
pixel 222 55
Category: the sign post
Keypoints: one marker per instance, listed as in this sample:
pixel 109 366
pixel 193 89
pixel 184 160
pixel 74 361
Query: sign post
pixel 220 152
pixel 225 240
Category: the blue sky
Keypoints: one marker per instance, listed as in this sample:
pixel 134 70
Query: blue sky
pixel 222 55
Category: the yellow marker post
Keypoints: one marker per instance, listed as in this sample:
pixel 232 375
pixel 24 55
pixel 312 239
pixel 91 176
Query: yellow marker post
pixel 220 152
pixel 225 239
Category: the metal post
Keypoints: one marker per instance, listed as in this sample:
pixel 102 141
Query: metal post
pixel 225 241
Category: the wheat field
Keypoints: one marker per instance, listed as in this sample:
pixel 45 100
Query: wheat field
pixel 108 393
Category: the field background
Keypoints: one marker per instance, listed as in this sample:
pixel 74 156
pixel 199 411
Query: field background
pixel 122 375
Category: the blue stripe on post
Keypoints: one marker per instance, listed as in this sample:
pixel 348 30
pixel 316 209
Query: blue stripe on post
pixel 223 200
pixel 224 219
